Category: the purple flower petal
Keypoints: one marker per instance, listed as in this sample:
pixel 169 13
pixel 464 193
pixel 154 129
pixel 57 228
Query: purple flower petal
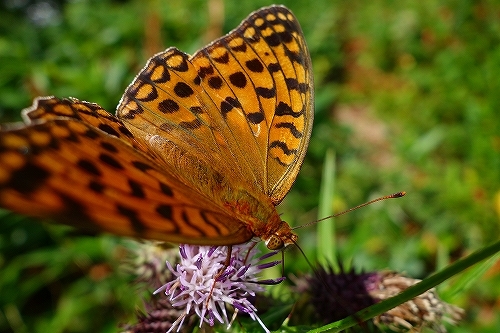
pixel 199 262
pixel 211 317
pixel 268 255
pixel 182 251
pixel 268 264
pixel 241 308
pixel 272 281
pixel 243 270
pixel 212 250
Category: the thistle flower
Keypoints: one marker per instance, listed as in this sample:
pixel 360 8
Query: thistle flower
pixel 203 286
pixel 158 318
pixel 146 261
pixel 337 295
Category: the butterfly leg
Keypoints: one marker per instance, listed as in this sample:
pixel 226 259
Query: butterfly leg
pixel 222 270
pixel 228 260
pixel 248 253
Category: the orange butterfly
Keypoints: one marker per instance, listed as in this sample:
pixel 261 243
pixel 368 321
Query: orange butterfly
pixel 201 150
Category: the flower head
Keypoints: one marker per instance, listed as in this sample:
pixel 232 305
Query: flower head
pixel 337 295
pixel 204 285
pixel 157 318
pixel 146 261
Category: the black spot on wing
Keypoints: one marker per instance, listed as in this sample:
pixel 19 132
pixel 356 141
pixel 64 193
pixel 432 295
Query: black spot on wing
pixel 27 179
pixel 96 186
pixel 223 59
pixel 109 147
pixel 294 56
pixel 89 167
pixel 283 146
pixel 238 79
pixel 284 109
pixel 111 161
pixel 228 104
pixel 168 106
pixel 125 131
pixel 274 68
pixel 136 189
pixel 205 71
pixel 131 215
pixel 183 90
pixel 266 92
pixel 255 117
pixel 74 211
pixel 240 48
pixel 191 124
pixel 72 137
pixel 108 129
pixel 295 132
pixel 166 189
pixel 293 84
pixel 165 211
pixel 255 65
pixel 215 82
pixel 91 134
pixel 141 166
pixel 273 40
pixel 196 109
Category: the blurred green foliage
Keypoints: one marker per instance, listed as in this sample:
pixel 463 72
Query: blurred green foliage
pixel 406 96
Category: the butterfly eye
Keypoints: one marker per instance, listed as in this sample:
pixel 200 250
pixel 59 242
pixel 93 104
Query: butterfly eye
pixel 274 243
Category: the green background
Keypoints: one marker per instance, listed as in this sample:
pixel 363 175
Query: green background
pixel 407 97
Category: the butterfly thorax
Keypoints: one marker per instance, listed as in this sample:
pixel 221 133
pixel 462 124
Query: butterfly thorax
pixel 261 218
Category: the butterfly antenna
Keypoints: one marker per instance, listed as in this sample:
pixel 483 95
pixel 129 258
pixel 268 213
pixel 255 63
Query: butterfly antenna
pixel 390 196
pixel 321 277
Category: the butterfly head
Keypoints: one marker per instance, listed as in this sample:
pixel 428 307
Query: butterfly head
pixel 281 238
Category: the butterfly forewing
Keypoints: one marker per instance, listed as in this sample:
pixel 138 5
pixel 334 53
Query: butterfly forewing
pixel 261 76
pixel 242 105
pixel 164 108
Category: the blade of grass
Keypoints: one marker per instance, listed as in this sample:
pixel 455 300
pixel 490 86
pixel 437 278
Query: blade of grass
pixel 326 247
pixel 466 280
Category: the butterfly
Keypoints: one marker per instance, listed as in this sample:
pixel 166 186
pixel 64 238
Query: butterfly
pixel 201 151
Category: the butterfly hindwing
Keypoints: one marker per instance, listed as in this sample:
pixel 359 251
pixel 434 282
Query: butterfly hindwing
pixel 46 108
pixel 75 173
